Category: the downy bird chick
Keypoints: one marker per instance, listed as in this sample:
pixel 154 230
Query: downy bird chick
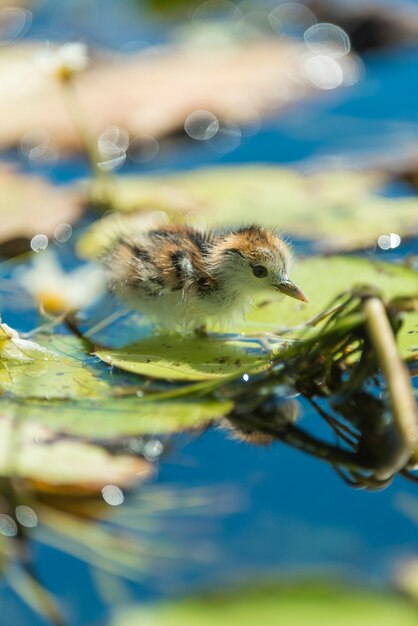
pixel 180 277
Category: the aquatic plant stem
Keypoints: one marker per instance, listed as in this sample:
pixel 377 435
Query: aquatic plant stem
pixel 398 381
pixel 89 144
pixel 37 597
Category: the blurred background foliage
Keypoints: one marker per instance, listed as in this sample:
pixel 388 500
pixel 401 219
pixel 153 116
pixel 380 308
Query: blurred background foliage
pixel 132 487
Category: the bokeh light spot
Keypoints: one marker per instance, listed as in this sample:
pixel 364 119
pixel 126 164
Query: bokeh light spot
pixel 227 139
pixel 143 148
pixel 8 526
pixel 389 242
pixel 327 39
pixel 153 449
pixel 26 516
pixel 37 147
pixel 39 242
pixel 14 24
pixel 217 11
pixel 113 495
pixel 63 233
pixel 323 71
pixel 201 125
pixel 291 19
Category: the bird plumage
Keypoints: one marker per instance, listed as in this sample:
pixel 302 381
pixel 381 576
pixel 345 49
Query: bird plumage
pixel 181 276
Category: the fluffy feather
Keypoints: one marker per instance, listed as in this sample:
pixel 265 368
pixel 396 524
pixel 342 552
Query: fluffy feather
pixel 181 277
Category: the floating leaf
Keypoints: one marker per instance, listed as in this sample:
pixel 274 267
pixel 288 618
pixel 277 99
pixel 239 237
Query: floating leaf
pixel 152 94
pixel 28 452
pixel 21 198
pixel 323 279
pixel 190 358
pixel 29 370
pixel 115 417
pixel 293 605
pixel 173 357
pixel 54 385
pixel 340 210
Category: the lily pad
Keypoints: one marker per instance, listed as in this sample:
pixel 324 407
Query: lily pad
pixel 143 92
pixel 339 210
pixel 53 385
pixel 117 417
pixel 21 198
pixel 294 605
pixel 29 370
pixel 28 451
pixel 179 358
pixel 323 279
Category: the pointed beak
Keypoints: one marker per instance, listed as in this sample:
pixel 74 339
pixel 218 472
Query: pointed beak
pixel 290 289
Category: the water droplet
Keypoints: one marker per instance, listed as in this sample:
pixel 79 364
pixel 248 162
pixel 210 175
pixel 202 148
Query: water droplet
pixel 113 495
pixel 39 242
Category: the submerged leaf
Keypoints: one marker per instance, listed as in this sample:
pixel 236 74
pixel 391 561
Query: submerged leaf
pixel 108 418
pixel 180 358
pixel 339 210
pixel 28 452
pixel 293 605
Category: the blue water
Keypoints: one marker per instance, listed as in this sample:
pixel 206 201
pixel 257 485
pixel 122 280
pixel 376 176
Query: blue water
pixel 292 513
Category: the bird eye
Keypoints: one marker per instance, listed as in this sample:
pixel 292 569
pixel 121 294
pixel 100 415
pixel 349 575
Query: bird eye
pixel 260 271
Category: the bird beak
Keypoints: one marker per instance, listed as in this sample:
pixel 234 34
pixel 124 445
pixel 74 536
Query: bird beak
pixel 290 289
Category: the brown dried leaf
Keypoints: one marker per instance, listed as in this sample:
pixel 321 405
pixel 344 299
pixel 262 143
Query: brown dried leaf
pixel 151 94
pixel 30 205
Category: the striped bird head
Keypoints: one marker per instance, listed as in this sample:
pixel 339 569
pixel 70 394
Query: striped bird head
pixel 253 259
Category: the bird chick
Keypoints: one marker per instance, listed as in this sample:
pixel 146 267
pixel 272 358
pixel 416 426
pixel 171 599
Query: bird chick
pixel 180 277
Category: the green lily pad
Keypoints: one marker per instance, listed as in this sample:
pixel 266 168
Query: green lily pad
pixel 116 417
pixel 53 386
pixel 323 279
pixel 340 210
pixel 293 605
pixel 179 358
pixel 30 370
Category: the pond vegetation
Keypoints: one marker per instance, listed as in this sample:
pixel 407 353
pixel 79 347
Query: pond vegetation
pixel 95 399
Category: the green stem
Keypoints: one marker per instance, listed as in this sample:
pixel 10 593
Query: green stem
pixel 401 395
pixel 87 138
